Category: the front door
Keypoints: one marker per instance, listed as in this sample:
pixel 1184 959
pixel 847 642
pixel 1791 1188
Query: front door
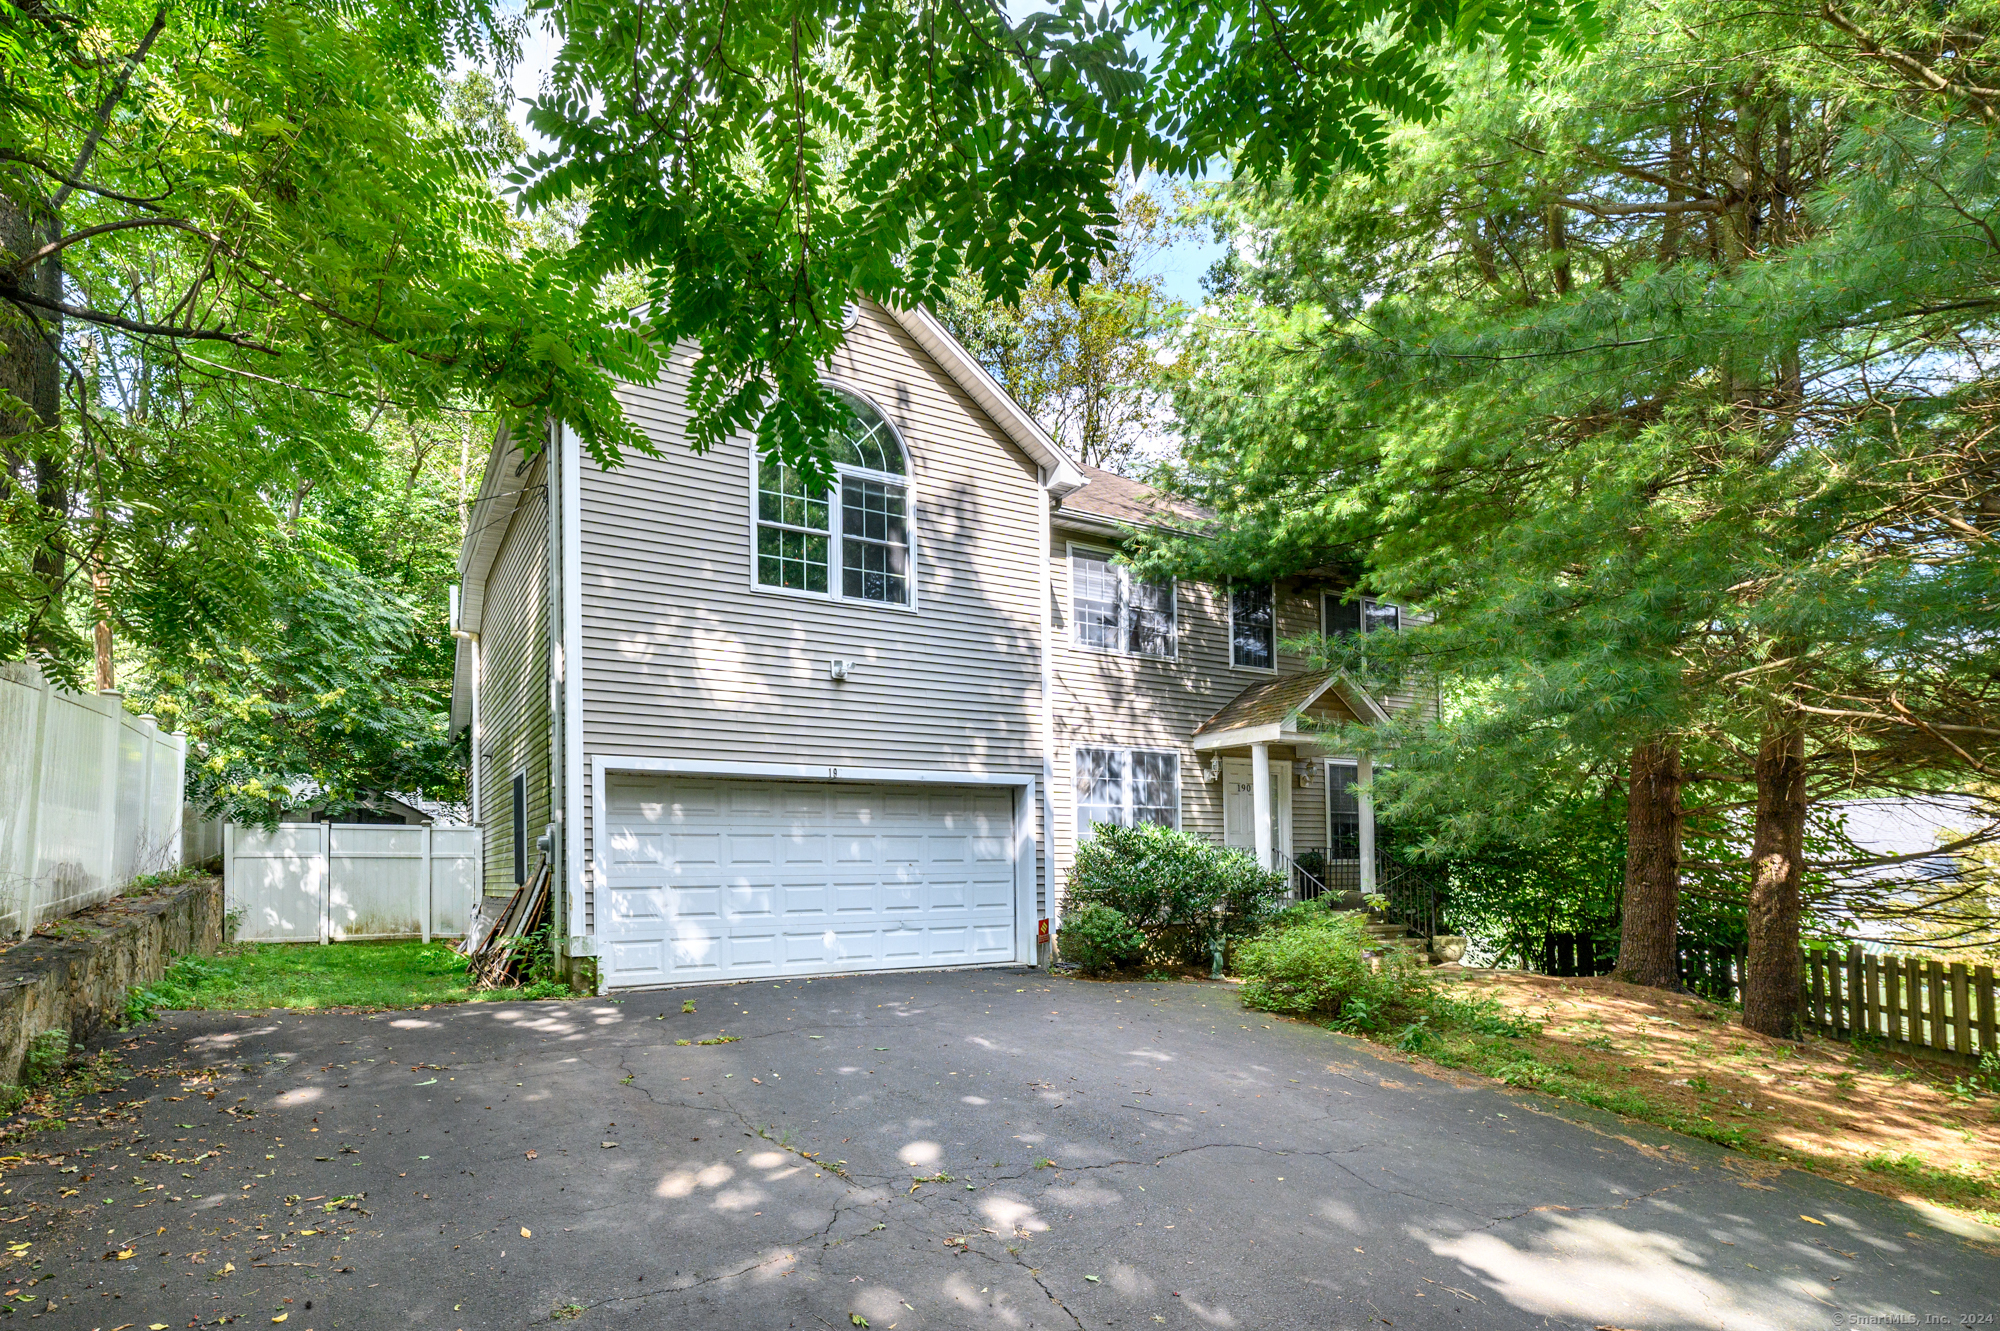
pixel 1239 804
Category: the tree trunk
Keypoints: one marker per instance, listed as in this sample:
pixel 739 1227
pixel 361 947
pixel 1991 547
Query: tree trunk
pixel 100 596
pixel 28 367
pixel 30 448
pixel 1773 988
pixel 1648 941
pixel 1558 223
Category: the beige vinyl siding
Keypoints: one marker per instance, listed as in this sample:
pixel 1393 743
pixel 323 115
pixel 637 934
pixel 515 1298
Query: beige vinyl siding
pixel 514 685
pixel 683 657
pixel 1120 701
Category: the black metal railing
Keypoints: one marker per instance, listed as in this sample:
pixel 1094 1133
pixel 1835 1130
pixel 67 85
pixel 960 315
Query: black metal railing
pixel 1416 894
pixel 1305 875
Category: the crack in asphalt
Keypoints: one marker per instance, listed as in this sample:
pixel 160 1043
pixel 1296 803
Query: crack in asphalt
pixel 1557 1206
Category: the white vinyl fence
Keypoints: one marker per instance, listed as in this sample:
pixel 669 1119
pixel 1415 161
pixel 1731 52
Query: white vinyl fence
pixel 90 797
pixel 334 882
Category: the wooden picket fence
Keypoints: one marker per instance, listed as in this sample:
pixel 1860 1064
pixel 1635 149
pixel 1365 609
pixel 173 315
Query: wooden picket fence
pixel 1911 1003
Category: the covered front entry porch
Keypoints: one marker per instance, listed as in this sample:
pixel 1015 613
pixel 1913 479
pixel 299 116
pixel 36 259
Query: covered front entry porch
pixel 1257 747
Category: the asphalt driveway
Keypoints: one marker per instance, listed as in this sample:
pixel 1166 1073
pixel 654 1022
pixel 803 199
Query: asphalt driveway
pixel 974 1149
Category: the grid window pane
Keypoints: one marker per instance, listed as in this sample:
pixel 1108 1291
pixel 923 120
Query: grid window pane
pixel 1127 786
pixel 1100 788
pixel 1344 806
pixel 1150 618
pixel 1377 616
pixel 1342 616
pixel 874 541
pixel 792 559
pixel 864 439
pixel 1096 592
pixel 782 497
pixel 1154 780
pixel 1252 636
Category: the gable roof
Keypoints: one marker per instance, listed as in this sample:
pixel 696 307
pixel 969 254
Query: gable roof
pixel 1060 475
pixel 1269 712
pixel 1116 498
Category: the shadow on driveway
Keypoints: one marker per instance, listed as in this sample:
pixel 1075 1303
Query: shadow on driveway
pixel 958 1149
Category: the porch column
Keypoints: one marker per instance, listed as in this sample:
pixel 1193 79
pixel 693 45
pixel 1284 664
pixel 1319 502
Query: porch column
pixel 1260 802
pixel 1364 772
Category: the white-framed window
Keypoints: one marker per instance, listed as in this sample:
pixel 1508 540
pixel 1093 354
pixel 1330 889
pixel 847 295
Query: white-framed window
pixel 852 541
pixel 1253 626
pixel 1362 615
pixel 1111 611
pixel 1127 787
pixel 1343 811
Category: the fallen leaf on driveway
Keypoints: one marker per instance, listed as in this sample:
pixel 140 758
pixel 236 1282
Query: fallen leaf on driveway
pixel 1810 1221
pixel 432 1082
pixel 530 1155
pixel 525 1234
pixel 607 1145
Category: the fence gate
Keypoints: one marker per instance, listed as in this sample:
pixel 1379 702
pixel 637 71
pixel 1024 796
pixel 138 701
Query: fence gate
pixel 340 882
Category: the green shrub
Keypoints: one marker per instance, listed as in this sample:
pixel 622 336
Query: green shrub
pixel 1159 878
pixel 1310 965
pixel 1303 913
pixel 1098 938
pixel 1315 962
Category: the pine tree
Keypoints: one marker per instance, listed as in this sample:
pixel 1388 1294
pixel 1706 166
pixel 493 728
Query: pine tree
pixel 1659 382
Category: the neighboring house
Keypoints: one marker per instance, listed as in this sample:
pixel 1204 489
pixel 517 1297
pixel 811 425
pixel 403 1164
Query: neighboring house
pixel 762 732
pixel 378 807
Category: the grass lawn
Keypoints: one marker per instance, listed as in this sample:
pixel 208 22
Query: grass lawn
pixel 401 973
pixel 1882 1121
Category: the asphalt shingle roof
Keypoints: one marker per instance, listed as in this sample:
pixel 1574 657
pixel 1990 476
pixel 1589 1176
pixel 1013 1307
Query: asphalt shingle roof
pixel 1110 495
pixel 1266 704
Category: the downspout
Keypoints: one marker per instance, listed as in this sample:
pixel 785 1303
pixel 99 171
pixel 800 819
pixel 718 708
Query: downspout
pixel 471 641
pixel 1043 545
pixel 580 943
pixel 558 672
pixel 478 736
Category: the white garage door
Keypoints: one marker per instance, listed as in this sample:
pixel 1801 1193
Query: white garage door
pixel 708 878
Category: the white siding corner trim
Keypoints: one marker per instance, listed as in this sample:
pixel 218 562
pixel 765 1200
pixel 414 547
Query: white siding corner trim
pixel 570 573
pixel 1025 912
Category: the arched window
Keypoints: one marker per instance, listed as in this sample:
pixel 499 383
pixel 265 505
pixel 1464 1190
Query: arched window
pixel 861 528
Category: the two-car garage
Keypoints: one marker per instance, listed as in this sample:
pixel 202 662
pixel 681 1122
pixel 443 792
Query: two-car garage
pixel 704 877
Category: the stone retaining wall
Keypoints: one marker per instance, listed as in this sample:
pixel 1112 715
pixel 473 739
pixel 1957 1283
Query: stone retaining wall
pixel 74 976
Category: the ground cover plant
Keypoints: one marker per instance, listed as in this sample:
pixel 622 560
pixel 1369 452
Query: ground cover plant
pixel 1854 1112
pixel 1886 1122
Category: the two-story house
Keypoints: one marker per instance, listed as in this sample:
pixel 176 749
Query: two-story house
pixel 763 731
